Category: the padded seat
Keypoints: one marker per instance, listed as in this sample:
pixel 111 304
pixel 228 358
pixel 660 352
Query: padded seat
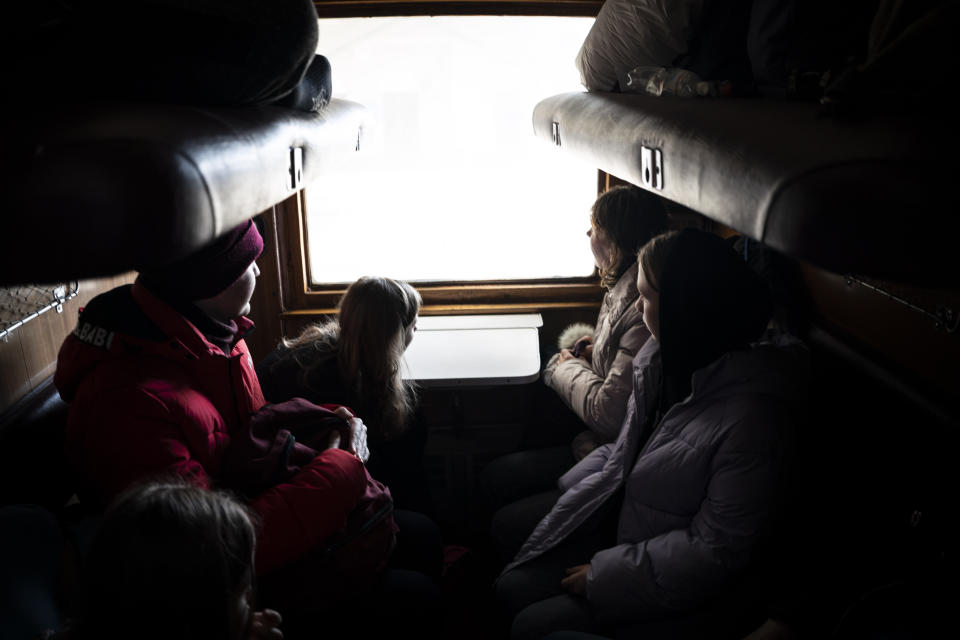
pixel 106 188
pixel 32 550
pixel 872 197
pixel 33 461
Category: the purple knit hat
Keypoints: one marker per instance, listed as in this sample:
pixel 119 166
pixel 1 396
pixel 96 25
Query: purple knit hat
pixel 210 270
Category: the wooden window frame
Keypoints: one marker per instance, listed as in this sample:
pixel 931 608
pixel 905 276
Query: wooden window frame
pixel 376 8
pixel 299 297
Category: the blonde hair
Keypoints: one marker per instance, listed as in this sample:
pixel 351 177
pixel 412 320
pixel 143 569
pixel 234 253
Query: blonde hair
pixel 368 340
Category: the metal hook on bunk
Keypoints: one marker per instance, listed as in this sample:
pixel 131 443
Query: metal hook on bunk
pixel 949 320
pixel 944 317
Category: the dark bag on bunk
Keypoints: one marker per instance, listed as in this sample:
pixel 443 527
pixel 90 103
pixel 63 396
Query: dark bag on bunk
pixel 718 47
pixel 792 45
pixel 203 52
pixel 777 48
pixel 314 90
pixel 904 64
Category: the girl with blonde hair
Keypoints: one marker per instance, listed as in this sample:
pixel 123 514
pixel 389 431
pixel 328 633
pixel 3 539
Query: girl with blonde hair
pixel 355 359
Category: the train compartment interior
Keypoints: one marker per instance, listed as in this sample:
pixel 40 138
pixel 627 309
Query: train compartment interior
pixel 851 218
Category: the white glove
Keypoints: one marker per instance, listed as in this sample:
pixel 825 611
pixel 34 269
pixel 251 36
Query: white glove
pixel 357 443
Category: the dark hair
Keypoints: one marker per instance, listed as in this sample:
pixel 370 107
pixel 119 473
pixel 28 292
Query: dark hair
pixel 711 302
pixel 629 216
pixel 171 561
pixel 653 256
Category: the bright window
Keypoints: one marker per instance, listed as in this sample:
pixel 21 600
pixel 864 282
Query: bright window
pixel 450 183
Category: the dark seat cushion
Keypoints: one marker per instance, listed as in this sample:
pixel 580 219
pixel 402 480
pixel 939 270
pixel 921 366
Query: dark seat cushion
pixel 32 550
pixel 33 464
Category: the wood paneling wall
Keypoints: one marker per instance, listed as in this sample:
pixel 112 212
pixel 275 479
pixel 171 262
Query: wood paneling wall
pixel 29 355
pixel 890 332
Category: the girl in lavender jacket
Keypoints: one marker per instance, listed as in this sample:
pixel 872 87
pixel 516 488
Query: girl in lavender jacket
pixel 671 516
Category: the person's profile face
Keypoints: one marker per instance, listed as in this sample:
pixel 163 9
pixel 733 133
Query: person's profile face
pixel 234 301
pixel 408 333
pixel 601 246
pixel 648 304
pixel 241 613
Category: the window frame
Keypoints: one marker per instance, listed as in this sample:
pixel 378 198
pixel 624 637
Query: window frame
pixel 298 297
pixel 377 8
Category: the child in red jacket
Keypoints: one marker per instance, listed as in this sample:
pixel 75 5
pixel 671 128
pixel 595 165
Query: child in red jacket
pixel 159 380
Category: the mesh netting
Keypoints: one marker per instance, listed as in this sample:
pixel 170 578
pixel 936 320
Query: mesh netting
pixel 18 304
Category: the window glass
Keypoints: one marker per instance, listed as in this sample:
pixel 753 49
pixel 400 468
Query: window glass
pixel 450 183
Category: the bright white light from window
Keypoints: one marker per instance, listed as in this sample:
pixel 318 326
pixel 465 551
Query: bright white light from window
pixel 451 183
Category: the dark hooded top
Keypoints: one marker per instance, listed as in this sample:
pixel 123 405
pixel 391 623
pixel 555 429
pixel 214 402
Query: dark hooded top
pixel 711 302
pixel 697 474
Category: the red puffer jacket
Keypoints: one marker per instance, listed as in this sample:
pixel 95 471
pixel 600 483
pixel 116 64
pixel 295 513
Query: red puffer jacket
pixel 149 396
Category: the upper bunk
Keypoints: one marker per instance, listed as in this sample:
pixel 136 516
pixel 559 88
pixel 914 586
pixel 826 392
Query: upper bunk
pixel 110 187
pixel 871 196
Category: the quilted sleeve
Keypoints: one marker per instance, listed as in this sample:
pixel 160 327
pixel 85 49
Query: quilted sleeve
pixel 601 402
pixel 132 437
pixel 299 514
pixel 682 568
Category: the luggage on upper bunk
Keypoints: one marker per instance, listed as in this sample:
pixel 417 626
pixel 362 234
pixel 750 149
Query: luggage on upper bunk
pixel 772 47
pixel 199 52
pixel 903 67
pixel 630 33
pixel 140 131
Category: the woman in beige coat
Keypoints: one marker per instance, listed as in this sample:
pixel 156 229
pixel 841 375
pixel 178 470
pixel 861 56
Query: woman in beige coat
pixel 591 374
pixel 596 385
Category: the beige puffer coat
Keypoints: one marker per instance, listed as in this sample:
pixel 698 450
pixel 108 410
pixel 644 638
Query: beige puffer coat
pixel 597 391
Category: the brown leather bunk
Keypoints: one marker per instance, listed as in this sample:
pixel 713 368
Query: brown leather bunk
pixel 870 196
pixel 107 188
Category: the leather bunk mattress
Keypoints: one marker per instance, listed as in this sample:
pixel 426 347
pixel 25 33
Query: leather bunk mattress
pixel 108 188
pixel 871 196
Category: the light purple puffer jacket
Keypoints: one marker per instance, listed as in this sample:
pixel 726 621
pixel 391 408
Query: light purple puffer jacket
pixel 703 488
